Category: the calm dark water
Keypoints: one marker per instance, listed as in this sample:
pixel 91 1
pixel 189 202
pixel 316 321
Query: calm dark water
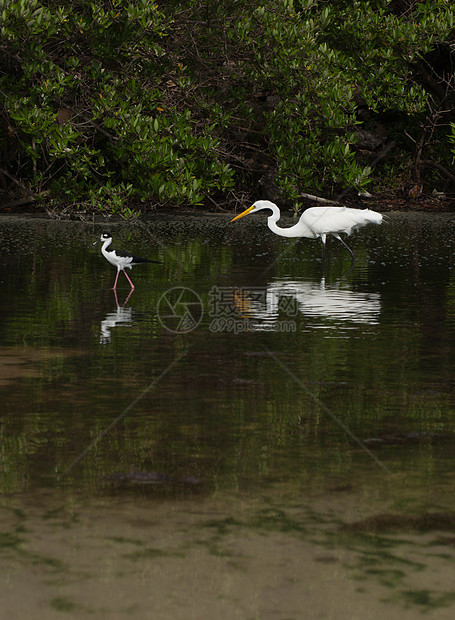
pixel 247 379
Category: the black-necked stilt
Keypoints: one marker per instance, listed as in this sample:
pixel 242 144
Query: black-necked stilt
pixel 120 259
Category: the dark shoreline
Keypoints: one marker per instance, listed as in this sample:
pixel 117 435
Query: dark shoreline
pixel 382 203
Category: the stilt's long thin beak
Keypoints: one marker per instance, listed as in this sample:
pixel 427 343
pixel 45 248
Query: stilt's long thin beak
pixel 237 217
pixel 95 242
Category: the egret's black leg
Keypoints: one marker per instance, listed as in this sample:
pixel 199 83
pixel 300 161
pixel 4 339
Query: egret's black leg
pixel 347 247
pixel 323 239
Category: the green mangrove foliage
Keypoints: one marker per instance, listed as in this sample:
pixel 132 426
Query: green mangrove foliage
pixel 90 99
pixel 118 105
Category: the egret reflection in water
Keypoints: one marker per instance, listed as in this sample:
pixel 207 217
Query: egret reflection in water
pixel 333 302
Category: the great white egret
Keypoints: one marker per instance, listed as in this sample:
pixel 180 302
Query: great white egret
pixel 120 259
pixel 318 221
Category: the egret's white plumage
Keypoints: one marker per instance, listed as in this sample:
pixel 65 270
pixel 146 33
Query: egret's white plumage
pixel 318 221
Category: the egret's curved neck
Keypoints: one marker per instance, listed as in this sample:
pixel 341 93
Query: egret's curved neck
pixel 292 231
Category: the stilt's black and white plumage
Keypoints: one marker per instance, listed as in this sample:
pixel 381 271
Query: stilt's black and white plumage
pixel 120 259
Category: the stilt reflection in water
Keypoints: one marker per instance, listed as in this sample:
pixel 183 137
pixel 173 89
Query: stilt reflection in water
pixel 120 316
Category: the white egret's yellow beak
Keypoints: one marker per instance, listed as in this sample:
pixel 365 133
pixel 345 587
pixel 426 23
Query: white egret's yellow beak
pixel 237 217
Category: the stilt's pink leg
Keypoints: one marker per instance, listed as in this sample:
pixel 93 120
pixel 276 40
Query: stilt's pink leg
pixel 132 285
pixel 115 283
pixel 128 297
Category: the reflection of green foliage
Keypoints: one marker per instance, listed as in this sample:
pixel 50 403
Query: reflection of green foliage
pixel 227 413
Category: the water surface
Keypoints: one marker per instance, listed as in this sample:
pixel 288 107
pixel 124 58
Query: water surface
pixel 249 433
